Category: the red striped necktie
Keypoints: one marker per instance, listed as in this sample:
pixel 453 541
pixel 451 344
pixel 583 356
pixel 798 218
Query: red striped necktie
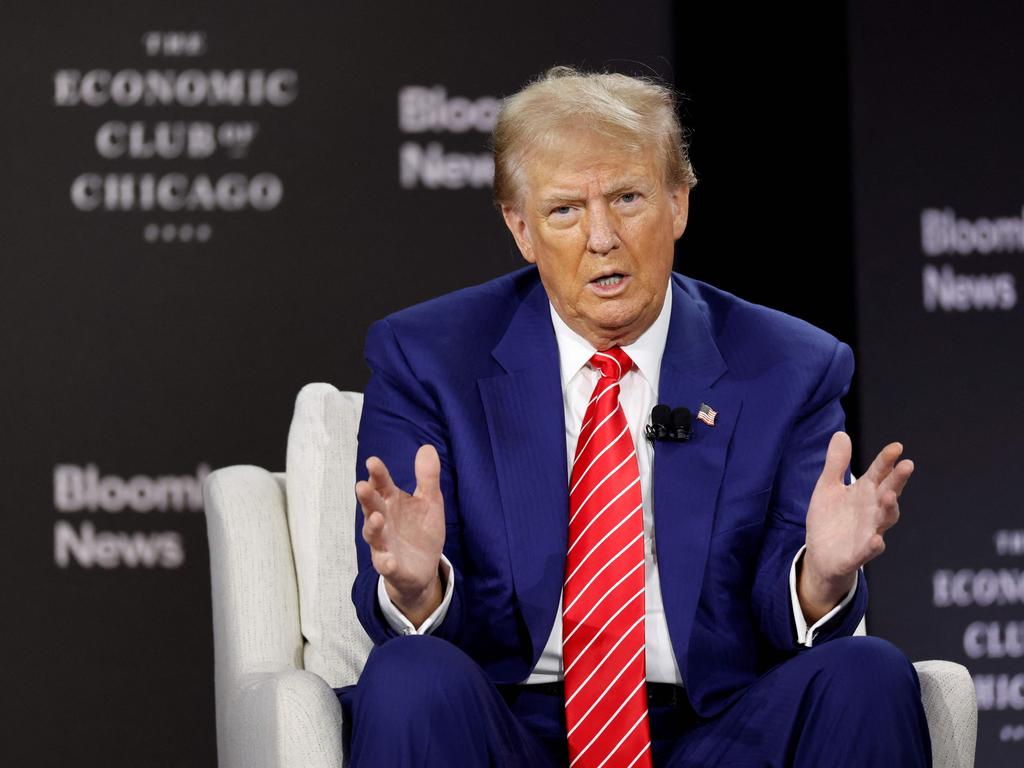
pixel 603 602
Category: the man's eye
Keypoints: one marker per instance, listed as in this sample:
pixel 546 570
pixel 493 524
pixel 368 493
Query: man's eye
pixel 562 210
pixel 629 197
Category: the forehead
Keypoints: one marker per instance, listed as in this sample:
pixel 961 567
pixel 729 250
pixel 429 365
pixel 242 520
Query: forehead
pixel 582 162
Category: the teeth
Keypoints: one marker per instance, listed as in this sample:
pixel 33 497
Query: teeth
pixel 610 280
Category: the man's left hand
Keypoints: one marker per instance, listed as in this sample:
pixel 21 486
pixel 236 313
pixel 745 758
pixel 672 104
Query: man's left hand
pixel 846 523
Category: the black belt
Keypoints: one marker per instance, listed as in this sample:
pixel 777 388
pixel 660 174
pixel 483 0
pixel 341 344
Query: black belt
pixel 658 694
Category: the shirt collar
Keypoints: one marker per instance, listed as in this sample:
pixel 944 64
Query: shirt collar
pixel 646 352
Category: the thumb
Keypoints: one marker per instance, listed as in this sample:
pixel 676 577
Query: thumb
pixel 837 459
pixel 428 472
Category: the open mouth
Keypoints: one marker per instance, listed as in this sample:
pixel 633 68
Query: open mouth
pixel 609 286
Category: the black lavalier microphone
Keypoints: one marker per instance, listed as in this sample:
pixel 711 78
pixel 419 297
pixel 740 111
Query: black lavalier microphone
pixel 682 425
pixel 670 425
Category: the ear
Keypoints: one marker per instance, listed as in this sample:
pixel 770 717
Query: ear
pixel 517 226
pixel 680 200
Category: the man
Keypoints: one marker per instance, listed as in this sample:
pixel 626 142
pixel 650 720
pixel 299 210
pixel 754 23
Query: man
pixel 547 587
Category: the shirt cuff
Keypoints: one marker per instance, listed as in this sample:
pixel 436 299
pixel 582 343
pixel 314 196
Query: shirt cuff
pixel 804 634
pixel 397 620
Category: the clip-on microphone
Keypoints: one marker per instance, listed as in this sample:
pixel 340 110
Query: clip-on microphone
pixel 670 425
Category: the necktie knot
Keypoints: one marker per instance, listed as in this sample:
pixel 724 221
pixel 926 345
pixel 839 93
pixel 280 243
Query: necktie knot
pixel 612 363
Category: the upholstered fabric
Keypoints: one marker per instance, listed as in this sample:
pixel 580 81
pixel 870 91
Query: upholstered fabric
pixel 270 712
pixel 320 479
pixel 285 633
pixel 947 692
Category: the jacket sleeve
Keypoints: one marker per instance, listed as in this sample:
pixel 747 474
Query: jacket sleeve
pixel 399 415
pixel 799 467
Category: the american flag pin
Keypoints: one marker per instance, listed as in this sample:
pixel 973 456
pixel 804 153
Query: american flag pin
pixel 707 414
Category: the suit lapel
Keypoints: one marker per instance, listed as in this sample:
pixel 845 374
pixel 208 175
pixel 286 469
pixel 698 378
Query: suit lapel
pixel 687 476
pixel 526 424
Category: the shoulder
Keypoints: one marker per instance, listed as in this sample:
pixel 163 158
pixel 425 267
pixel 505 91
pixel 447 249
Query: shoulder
pixel 461 326
pixel 752 337
pixel 490 302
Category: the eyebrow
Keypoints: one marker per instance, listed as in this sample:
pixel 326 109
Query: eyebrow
pixel 572 195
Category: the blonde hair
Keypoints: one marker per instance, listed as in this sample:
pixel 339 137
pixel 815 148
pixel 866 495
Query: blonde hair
pixel 636 112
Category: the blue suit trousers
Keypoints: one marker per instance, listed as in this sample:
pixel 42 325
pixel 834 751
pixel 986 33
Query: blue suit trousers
pixel 852 701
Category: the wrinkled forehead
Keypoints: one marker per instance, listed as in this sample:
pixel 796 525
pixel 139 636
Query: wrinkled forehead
pixel 573 159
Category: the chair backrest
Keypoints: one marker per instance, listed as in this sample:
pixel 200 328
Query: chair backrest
pixel 319 477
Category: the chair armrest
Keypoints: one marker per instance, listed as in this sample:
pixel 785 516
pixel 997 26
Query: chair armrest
pixel 947 692
pixel 254 595
pixel 291 718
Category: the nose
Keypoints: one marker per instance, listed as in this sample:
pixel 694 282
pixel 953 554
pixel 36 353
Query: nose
pixel 602 237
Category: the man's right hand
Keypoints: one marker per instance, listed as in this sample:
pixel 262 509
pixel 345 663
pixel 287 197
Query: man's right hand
pixel 406 533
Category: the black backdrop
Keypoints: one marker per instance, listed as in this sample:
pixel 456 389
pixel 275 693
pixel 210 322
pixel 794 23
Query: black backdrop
pixel 154 360
pixel 937 121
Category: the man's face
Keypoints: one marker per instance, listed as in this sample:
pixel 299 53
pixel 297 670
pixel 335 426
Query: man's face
pixel 600 225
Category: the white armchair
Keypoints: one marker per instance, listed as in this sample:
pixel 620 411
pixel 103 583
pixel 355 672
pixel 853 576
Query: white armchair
pixel 285 631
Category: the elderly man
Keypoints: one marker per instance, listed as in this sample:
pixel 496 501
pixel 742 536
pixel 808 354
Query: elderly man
pixel 545 585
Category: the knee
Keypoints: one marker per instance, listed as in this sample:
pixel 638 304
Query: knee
pixel 412 672
pixel 870 666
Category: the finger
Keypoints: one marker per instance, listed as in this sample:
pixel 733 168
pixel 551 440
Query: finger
pixel 876 546
pixel 379 477
pixel 883 463
pixel 889 514
pixel 837 459
pixel 369 499
pixel 373 530
pixel 383 563
pixel 428 472
pixel 897 479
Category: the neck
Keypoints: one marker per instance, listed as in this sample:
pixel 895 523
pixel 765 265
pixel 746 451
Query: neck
pixel 603 339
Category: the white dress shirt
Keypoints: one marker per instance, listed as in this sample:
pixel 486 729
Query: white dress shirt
pixel 638 394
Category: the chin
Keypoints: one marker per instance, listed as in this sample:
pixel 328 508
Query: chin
pixel 618 324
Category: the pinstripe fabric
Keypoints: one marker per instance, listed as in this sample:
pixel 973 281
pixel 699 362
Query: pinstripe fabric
pixel 603 602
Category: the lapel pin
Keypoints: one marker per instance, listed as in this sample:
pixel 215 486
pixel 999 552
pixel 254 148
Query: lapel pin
pixel 707 414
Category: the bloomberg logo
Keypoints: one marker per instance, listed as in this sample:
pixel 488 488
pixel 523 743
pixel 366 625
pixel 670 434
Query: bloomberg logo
pixel 948 287
pixel 433 165
pixel 82 489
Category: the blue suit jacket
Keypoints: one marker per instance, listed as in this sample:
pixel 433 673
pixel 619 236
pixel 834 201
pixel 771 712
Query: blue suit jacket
pixel 476 374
